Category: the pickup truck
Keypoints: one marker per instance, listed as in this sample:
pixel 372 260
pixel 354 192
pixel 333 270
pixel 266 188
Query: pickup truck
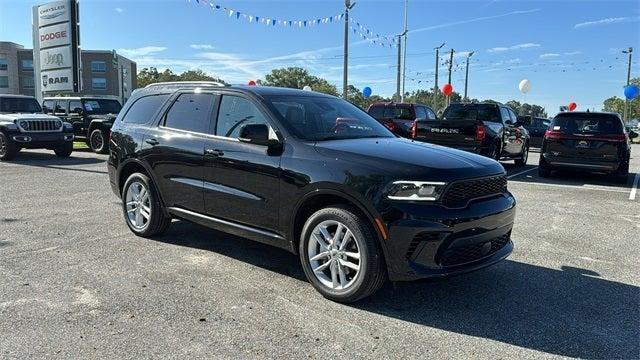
pixel 488 129
pixel 400 117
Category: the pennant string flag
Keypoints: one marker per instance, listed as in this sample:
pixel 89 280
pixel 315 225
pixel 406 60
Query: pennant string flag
pixel 373 38
pixel 269 21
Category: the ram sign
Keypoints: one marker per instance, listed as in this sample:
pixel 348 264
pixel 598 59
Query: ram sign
pixel 56 47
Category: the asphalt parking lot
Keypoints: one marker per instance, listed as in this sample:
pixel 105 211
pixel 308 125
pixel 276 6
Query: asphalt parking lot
pixel 76 283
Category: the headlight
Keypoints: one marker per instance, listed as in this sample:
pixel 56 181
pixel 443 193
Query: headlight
pixel 416 190
pixel 24 125
pixel 58 123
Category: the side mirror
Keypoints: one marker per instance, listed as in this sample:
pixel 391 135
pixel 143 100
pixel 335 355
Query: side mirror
pixel 257 134
pixel 633 134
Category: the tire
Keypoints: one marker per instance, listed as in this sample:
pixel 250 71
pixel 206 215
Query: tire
pixel 8 149
pixel 495 152
pixel 336 280
pixel 64 150
pixel 97 142
pixel 525 156
pixel 622 175
pixel 543 169
pixel 156 222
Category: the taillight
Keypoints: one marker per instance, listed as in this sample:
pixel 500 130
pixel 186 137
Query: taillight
pixel 481 132
pixel 414 130
pixel 552 134
pixel 616 138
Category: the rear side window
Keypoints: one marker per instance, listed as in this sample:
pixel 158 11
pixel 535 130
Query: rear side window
pixel 588 124
pixel 483 112
pixel 190 112
pixel 143 109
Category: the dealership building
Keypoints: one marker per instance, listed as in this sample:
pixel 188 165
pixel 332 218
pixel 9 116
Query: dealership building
pixel 101 73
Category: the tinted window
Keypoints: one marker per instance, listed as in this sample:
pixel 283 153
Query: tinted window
pixel 47 106
pixel 190 112
pixel 505 115
pixel 588 124
pixel 101 106
pixel 19 105
pixel 483 112
pixel 514 117
pixel 61 107
pixel 143 109
pixel 421 112
pixel 75 106
pixel 431 115
pixel 377 111
pixel 235 112
pixel 318 118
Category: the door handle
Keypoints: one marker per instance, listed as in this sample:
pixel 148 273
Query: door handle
pixel 213 152
pixel 152 142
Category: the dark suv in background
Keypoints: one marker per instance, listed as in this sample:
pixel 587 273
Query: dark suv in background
pixel 591 141
pixel 91 117
pixel 400 117
pixel 536 127
pixel 312 174
pixel 488 129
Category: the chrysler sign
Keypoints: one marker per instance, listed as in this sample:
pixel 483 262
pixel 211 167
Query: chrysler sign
pixel 56 46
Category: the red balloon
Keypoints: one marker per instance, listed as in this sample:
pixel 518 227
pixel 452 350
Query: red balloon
pixel 252 83
pixel 572 106
pixel 447 89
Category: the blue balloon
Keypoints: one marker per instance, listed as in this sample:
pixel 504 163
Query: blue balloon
pixel 631 92
pixel 366 92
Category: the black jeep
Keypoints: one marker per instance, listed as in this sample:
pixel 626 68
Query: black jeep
pixel 91 117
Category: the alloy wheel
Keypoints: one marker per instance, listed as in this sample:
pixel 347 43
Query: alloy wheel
pixel 97 141
pixel 334 255
pixel 3 146
pixel 138 205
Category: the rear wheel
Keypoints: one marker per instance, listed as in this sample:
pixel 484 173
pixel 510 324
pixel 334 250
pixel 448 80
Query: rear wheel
pixel 622 175
pixel 340 254
pixel 495 151
pixel 525 156
pixel 64 150
pixel 8 148
pixel 97 142
pixel 543 169
pixel 142 208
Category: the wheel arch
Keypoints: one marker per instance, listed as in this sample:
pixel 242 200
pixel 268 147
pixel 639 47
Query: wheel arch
pixel 131 166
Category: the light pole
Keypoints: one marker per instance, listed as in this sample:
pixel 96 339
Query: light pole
pixel 435 86
pixel 466 75
pixel 626 101
pixel 399 73
pixel 450 68
pixel 347 6
pixel 404 57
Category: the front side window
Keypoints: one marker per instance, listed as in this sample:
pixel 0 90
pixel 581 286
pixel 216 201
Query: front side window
pixel 505 115
pixel 143 109
pixel 27 64
pixel 75 106
pixel 3 64
pixel 98 66
pixel 61 107
pixel 47 106
pixel 421 112
pixel 431 115
pixel 319 118
pixel 99 83
pixel 190 112
pixel 236 111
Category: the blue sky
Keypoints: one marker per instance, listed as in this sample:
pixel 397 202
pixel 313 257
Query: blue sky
pixel 569 50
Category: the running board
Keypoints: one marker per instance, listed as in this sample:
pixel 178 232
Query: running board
pixel 230 227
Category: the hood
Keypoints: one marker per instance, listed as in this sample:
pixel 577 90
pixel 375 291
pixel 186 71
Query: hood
pixel 411 160
pixel 26 116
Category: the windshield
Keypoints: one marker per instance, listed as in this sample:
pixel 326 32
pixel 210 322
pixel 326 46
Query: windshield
pixel 483 112
pixel 587 124
pixel 323 118
pixel 19 105
pixel 101 106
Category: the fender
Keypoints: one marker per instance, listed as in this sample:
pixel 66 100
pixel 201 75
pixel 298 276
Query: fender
pixel 9 127
pixel 150 174
pixel 104 124
pixel 322 189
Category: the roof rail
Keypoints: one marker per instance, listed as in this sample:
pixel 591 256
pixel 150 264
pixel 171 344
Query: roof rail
pixel 178 84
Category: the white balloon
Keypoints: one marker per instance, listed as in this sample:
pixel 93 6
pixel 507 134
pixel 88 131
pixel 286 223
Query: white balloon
pixel 525 86
pixel 307 88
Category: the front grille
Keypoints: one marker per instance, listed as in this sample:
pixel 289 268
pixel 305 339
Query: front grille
pixel 42 125
pixel 466 254
pixel 423 236
pixel 460 193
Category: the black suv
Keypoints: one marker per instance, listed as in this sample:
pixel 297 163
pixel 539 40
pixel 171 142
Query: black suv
pixel 91 117
pixel 489 129
pixel 592 141
pixel 400 117
pixel 312 174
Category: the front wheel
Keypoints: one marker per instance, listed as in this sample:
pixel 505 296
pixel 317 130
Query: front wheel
pixel 142 208
pixel 340 254
pixel 97 142
pixel 8 148
pixel 64 150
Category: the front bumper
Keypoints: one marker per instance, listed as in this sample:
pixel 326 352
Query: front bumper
pixel 433 241
pixel 41 140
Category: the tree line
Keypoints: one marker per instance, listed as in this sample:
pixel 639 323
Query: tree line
pixel 297 78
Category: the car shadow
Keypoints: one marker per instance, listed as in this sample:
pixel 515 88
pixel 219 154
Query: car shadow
pixel 50 160
pixel 568 311
pixel 575 178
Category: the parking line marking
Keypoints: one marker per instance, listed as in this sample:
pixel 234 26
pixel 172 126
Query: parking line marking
pixel 634 188
pixel 571 186
pixel 521 172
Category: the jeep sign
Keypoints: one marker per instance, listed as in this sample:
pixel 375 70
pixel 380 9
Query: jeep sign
pixel 56 47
